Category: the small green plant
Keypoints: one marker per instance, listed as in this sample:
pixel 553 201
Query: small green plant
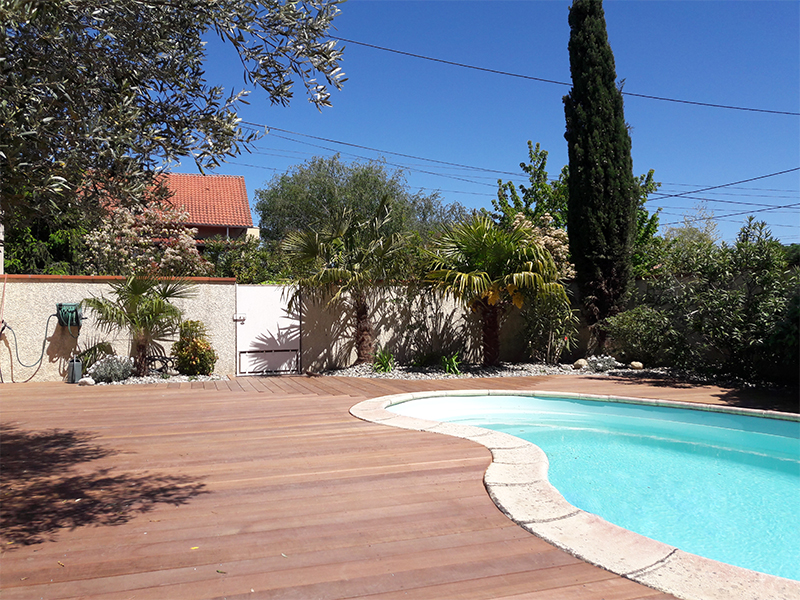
pixel 111 368
pixel 193 352
pixel 384 362
pixel 451 363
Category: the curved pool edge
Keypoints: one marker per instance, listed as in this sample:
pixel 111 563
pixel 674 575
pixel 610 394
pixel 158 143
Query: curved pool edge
pixel 517 483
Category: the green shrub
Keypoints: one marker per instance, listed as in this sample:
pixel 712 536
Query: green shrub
pixel 384 362
pixel 551 327
pixel 729 308
pixel 644 334
pixel 193 352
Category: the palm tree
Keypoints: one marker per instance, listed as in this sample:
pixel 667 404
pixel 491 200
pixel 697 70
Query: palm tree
pixel 489 268
pixel 346 261
pixel 142 308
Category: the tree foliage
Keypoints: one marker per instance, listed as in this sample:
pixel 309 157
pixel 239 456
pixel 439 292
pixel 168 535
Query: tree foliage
pixel 47 247
pixel 96 98
pixel 545 201
pixel 727 308
pixel 538 198
pixel 489 268
pixel 313 194
pixel 346 260
pixel 248 260
pixel 603 195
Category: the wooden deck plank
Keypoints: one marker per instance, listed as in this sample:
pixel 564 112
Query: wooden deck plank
pixel 205 492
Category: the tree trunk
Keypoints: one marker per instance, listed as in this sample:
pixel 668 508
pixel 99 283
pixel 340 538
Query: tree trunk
pixel 490 316
pixel 365 347
pixel 140 361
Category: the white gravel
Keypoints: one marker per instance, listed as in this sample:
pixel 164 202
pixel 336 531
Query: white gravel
pixel 158 378
pixel 468 371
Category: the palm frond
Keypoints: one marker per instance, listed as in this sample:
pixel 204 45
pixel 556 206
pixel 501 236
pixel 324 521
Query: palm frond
pixel 477 261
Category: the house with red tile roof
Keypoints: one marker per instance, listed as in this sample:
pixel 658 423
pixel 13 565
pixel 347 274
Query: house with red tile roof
pixel 217 204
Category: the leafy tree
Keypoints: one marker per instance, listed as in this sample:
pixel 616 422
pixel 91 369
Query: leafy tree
pixel 603 195
pixel 97 98
pixel 248 260
pixel 347 259
pixel 545 200
pixel 320 190
pixel 645 240
pixel 539 198
pixel 47 248
pixel 792 252
pixel 490 268
pixel 142 308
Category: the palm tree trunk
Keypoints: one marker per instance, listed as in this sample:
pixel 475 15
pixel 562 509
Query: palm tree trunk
pixel 365 346
pixel 490 317
pixel 140 360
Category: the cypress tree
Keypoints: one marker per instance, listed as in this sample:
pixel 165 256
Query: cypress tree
pixel 601 218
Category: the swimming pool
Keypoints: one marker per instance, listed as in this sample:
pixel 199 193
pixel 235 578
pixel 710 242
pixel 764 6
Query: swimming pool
pixel 720 485
pixel 518 478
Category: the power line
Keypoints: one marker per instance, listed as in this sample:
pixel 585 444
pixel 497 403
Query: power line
pixel 714 218
pixel 485 170
pixel 736 214
pixel 742 188
pixel 688 194
pixel 716 201
pixel 330 141
pixel 716 187
pixel 552 81
pixel 388 163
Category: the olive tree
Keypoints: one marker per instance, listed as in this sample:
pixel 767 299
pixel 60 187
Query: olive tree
pixel 96 98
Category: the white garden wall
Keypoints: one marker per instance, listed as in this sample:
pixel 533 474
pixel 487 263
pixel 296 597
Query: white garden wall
pixel 409 323
pixel 29 300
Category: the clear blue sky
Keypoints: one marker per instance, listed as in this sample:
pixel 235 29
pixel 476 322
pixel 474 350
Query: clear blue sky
pixel 739 53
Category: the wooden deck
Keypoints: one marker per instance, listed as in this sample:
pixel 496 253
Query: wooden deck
pixel 268 488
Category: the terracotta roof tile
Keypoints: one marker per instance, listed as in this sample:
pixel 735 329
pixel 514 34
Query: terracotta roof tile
pixel 211 199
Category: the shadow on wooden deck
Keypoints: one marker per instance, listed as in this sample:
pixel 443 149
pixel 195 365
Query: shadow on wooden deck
pixel 44 490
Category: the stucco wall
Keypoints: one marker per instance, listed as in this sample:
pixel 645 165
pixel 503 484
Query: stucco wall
pixel 410 323
pixel 29 300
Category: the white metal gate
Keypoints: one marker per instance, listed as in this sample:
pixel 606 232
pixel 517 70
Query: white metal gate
pixel 267 335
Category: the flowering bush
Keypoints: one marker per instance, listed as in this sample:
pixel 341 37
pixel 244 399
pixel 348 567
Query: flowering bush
pixel 193 352
pixel 555 241
pixel 153 239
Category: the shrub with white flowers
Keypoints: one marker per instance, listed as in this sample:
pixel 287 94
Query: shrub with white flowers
pixel 152 239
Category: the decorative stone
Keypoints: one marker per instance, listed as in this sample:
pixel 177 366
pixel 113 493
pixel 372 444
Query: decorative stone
pixel 637 365
pixel 86 381
pixel 581 363
pixel 601 364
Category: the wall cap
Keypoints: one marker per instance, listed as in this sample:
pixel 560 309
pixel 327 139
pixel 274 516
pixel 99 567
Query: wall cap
pixel 104 278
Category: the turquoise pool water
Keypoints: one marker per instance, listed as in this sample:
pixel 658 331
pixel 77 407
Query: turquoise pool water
pixel 724 486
